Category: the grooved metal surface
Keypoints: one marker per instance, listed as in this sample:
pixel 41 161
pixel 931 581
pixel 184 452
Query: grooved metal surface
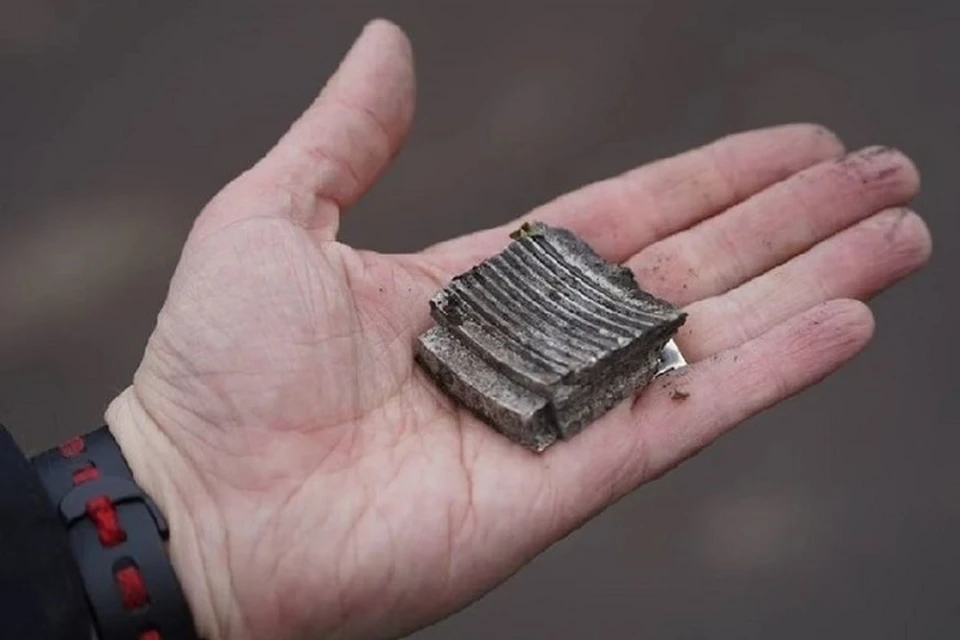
pixel 544 337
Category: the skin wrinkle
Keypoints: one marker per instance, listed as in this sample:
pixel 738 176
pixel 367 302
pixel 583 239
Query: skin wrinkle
pixel 321 212
pixel 743 310
pixel 356 454
pixel 284 599
pixel 305 275
pixel 674 260
pixel 303 208
pixel 170 396
pixel 729 190
pixel 387 581
pixel 628 470
pixel 846 262
pixel 284 513
pixel 435 275
pixel 385 345
pixel 186 498
pixel 391 345
pixel 351 540
pixel 458 531
pixel 351 280
pixel 559 515
pixel 457 526
pixel 805 215
pixel 352 604
pixel 774 368
pixel 437 575
pixel 737 268
pixel 319 155
pixel 628 195
pixel 184 452
pixel 287 506
pixel 311 300
pixel 224 604
pixel 390 142
pixel 168 350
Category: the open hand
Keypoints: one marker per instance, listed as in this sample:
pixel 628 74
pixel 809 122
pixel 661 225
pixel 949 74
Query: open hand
pixel 317 482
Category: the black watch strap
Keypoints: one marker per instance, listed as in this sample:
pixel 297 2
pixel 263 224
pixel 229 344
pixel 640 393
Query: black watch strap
pixel 118 538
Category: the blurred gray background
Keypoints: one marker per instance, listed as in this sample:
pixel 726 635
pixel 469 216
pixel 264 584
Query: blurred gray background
pixel 835 515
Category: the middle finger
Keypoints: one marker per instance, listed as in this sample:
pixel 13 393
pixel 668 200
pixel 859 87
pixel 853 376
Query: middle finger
pixel 774 225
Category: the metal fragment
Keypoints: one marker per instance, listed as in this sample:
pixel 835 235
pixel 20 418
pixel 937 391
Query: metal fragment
pixel 546 336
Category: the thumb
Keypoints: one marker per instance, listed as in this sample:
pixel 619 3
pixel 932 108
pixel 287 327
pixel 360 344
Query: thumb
pixel 336 150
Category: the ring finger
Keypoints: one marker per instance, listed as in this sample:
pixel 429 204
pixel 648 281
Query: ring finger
pixel 855 263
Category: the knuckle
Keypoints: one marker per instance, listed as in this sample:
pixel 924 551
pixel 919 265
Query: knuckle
pixel 719 172
pixel 324 155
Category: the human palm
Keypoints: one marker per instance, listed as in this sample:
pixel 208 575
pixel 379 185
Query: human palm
pixel 317 482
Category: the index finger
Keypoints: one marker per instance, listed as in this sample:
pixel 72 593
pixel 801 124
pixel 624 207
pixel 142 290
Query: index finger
pixel 620 215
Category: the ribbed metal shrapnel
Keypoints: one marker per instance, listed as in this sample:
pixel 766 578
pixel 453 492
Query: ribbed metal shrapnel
pixel 546 336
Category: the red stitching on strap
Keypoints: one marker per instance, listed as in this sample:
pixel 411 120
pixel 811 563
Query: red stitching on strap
pixel 85 474
pixel 153 634
pixel 72 447
pixel 132 590
pixel 104 516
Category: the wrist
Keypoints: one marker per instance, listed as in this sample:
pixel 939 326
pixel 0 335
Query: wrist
pixel 169 477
